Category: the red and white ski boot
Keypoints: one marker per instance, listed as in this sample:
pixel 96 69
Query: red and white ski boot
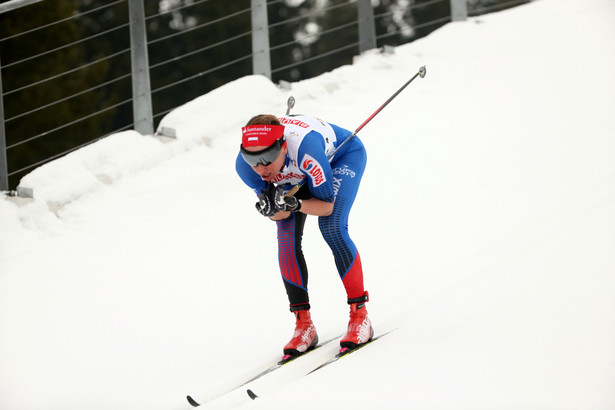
pixel 304 338
pixel 360 330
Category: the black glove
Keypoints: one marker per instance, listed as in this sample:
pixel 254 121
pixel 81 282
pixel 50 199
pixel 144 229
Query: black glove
pixel 286 203
pixel 266 204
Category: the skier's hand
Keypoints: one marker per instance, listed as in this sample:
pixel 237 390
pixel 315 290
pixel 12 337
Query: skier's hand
pixel 266 204
pixel 286 203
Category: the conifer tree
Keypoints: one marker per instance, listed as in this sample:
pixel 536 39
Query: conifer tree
pixel 44 87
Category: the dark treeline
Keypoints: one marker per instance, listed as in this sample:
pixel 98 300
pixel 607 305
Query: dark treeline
pixel 66 75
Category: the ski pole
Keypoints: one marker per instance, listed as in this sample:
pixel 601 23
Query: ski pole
pixel 290 103
pixel 421 73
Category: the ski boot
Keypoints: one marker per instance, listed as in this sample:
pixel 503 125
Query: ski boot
pixel 360 330
pixel 304 338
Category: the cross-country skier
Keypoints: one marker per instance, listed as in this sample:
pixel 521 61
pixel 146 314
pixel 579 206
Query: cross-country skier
pixel 279 153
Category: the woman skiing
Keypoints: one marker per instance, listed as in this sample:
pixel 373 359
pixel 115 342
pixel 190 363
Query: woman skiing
pixel 279 153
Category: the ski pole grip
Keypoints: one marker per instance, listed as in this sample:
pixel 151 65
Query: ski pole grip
pixel 294 190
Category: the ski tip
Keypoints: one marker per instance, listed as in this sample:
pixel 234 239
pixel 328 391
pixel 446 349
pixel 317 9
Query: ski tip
pixel 192 402
pixel 251 394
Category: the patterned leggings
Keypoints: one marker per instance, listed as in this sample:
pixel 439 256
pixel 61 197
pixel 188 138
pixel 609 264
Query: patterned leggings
pixel 347 172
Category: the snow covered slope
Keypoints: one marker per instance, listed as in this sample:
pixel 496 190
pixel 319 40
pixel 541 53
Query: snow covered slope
pixel 141 273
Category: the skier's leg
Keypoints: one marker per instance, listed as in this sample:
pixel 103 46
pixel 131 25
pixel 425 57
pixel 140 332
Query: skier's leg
pixel 295 276
pixel 347 173
pixel 291 260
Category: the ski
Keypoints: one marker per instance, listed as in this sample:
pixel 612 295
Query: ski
pixel 344 351
pixel 285 360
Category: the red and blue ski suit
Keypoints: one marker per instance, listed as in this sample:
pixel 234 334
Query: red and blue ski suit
pixel 310 141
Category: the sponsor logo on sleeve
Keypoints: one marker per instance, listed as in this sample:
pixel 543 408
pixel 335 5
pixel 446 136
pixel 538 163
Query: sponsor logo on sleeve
pixel 314 170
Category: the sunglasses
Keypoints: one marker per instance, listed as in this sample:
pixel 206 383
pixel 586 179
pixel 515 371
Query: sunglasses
pixel 264 157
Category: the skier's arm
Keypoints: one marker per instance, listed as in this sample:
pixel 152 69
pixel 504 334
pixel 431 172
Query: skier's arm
pixel 313 162
pixel 317 207
pixel 312 206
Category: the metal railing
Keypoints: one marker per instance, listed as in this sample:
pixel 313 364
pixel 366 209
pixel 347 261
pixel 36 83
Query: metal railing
pixel 129 62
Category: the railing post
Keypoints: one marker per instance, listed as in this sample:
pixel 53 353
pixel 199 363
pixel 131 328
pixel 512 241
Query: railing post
pixel 459 10
pixel 141 91
pixel 261 61
pixel 367 26
pixel 4 166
